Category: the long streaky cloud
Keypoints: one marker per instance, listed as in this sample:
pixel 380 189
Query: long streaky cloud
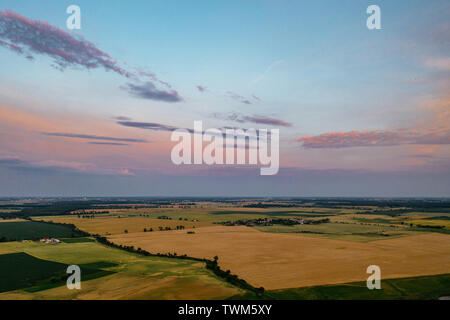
pixel 374 138
pixel 30 37
pixel 162 127
pixel 152 76
pixel 91 137
pixel 148 90
pixel 108 143
pixel 236 117
pixel 147 125
pixel 238 97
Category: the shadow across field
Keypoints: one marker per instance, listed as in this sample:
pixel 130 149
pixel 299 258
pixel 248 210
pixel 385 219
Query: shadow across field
pixel 34 230
pixel 417 288
pixel 23 271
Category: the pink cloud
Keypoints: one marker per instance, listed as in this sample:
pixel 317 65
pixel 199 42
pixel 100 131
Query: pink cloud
pixel 201 88
pixel 439 63
pixel 374 138
pixel 23 35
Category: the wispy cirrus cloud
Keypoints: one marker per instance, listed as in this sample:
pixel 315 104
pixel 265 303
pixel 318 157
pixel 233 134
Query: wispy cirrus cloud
pixel 92 137
pixel 148 90
pixel 201 88
pixel 31 37
pixel 236 117
pixel 11 46
pixel 256 97
pixel 374 138
pixel 147 125
pixel 239 132
pixel 47 167
pixel 108 143
pixel 238 97
pixel 152 76
pixel 36 37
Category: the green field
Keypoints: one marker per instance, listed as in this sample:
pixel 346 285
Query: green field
pixel 123 275
pixel 345 231
pixel 415 288
pixel 37 271
pixel 216 214
pixel 30 230
pixel 23 271
pixel 20 270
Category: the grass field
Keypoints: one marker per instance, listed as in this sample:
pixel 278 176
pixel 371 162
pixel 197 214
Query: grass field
pixel 20 270
pixel 23 271
pixel 417 288
pixel 126 275
pixel 217 214
pixel 432 222
pixel 275 260
pixel 30 230
pixel 343 231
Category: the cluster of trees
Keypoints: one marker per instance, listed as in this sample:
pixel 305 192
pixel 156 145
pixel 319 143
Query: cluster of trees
pixel 169 228
pixel 428 226
pixel 270 222
pixel 231 278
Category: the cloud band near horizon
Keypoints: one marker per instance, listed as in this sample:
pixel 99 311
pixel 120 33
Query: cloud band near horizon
pixel 373 138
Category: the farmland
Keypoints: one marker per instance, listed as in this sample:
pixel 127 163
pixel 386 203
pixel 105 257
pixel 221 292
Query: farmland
pixel 298 249
pixel 414 288
pixel 108 225
pixel 125 276
pixel 18 270
pixel 344 231
pixel 30 230
pixel 275 260
pixel 23 271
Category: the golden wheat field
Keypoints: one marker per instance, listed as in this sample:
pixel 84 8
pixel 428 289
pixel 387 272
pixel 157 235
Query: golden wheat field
pixel 114 225
pixel 277 261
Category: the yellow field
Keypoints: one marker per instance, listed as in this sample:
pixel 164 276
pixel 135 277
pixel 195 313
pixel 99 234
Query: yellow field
pixel 277 261
pixel 127 287
pixel 12 220
pixel 114 225
pixel 444 223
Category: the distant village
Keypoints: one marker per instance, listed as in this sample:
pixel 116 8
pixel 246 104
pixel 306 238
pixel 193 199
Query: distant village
pixel 271 222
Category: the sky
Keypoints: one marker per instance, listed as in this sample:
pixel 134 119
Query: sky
pixel 90 112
